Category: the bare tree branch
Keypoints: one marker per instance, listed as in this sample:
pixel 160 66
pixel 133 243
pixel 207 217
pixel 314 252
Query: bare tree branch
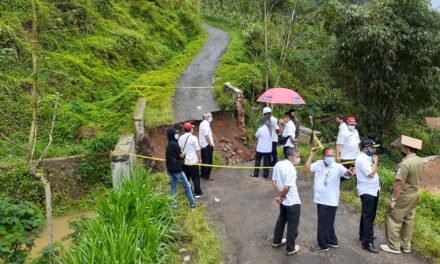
pixel 54 117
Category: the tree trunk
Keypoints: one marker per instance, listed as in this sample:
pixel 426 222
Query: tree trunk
pixel 49 218
pixel 34 96
pixel 266 47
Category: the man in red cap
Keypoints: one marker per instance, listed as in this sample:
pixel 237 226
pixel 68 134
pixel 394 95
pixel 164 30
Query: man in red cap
pixel 347 144
pixel 190 144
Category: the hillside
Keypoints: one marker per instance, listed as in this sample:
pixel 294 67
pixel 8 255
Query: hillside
pixel 99 56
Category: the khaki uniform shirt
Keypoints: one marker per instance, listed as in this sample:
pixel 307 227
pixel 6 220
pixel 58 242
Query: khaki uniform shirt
pixel 410 170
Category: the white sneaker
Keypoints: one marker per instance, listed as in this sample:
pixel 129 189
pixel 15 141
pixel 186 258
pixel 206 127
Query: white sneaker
pixel 297 248
pixel 388 249
pixel 406 250
pixel 283 242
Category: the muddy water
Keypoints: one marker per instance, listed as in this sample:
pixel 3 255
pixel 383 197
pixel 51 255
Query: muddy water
pixel 61 229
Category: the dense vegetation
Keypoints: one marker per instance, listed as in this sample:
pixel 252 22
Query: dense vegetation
pixel 138 225
pixel 308 63
pixel 91 55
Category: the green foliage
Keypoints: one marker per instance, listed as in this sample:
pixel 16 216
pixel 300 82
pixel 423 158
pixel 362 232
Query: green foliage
pixel 91 53
pixel 387 58
pixel 20 224
pixel 135 224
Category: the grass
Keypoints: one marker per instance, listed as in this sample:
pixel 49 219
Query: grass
pixel 426 238
pixel 138 225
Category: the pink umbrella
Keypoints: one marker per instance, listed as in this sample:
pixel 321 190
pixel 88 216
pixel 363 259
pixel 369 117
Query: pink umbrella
pixel 281 96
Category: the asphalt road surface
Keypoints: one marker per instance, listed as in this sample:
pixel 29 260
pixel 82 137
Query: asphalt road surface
pixel 245 217
pixel 194 94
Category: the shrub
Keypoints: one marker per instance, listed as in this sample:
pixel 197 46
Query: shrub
pixel 20 224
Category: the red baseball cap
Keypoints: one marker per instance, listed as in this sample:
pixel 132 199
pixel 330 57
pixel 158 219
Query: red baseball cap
pixel 188 126
pixel 351 120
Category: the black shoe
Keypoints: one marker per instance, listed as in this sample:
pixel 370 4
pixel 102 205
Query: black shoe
pixel 199 195
pixel 254 176
pixel 333 245
pixel 207 178
pixel 318 248
pixel 371 248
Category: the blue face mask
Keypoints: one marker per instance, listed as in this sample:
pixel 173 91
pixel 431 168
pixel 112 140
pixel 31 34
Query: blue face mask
pixel 371 153
pixel 329 160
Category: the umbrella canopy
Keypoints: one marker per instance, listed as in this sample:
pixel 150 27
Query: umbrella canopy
pixel 281 96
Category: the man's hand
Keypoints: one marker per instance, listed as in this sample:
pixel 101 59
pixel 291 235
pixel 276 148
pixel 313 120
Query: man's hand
pixel 313 151
pixel 375 159
pixel 182 154
pixel 391 205
pixel 352 171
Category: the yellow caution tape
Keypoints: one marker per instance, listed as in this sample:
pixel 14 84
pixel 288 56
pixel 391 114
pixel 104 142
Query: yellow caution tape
pixel 316 139
pixel 203 165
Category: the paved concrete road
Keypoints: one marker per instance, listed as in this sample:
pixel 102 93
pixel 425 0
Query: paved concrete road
pixel 245 217
pixel 194 94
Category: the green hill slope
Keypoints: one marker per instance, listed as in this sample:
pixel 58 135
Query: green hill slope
pixel 99 56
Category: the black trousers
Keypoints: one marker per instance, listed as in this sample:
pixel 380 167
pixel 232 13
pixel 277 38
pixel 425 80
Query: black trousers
pixel 368 215
pixel 192 173
pixel 326 228
pixel 206 159
pixel 274 154
pixel 289 215
pixel 266 163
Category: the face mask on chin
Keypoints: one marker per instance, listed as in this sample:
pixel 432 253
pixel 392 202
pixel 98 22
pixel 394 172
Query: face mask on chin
pixel 351 128
pixel 210 119
pixel 370 153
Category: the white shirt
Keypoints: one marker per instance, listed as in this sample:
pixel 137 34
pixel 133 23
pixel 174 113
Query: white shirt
pixel 365 184
pixel 289 130
pixel 284 174
pixel 274 123
pixel 343 126
pixel 264 144
pixel 349 141
pixel 326 182
pixel 205 130
pixel 191 147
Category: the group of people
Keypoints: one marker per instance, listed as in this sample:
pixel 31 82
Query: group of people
pixel 269 135
pixel 352 157
pixel 329 171
pixel 184 152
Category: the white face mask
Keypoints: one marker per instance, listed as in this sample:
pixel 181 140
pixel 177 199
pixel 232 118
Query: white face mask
pixel 297 161
pixel 209 119
pixel 351 128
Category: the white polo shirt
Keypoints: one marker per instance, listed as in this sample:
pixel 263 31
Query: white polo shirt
pixel 326 182
pixel 274 122
pixel 365 184
pixel 264 144
pixel 205 130
pixel 289 130
pixel 191 147
pixel 284 174
pixel 349 141
pixel 343 126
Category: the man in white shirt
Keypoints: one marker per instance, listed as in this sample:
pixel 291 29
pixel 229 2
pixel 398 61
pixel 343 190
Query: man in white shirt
pixel 288 132
pixel 275 129
pixel 264 147
pixel 284 182
pixel 190 145
pixel 368 190
pixel 207 144
pixel 347 144
pixel 326 195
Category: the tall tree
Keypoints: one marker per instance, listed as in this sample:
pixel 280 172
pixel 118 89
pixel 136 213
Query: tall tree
pixel 387 61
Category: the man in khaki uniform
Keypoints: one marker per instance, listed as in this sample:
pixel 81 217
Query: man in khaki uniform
pixel 399 220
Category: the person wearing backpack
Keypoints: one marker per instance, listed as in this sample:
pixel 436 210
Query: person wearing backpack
pixel 190 145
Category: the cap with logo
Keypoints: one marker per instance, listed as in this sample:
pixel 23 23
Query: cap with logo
pixel 267 110
pixel 407 141
pixel 351 120
pixel 188 126
pixel 369 143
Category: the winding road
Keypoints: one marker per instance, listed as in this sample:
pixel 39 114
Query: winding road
pixel 194 93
